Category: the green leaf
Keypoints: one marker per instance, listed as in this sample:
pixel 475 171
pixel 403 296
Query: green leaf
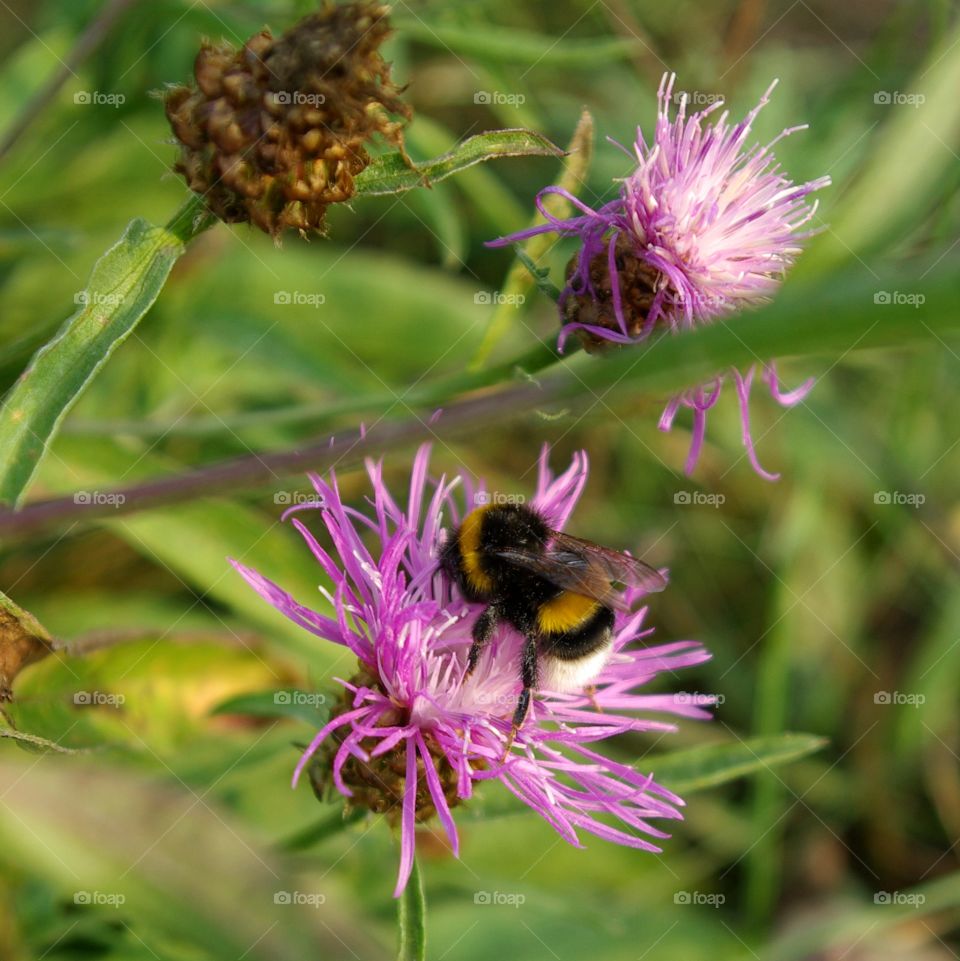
pixel 713 764
pixel 124 284
pixel 913 154
pixel 518 46
pixel 412 919
pixel 852 312
pixel 193 541
pixel 305 706
pixel 391 174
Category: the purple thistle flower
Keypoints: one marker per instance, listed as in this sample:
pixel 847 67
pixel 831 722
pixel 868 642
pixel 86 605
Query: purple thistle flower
pixel 704 226
pixel 412 733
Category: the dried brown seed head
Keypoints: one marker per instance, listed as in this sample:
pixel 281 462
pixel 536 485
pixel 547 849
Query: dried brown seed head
pixel 273 133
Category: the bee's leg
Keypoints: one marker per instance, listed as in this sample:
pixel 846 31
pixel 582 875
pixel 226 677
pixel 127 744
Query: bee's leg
pixel 528 675
pixel 483 628
pixel 591 692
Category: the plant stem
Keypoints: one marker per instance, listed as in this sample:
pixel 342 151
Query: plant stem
pixel 412 918
pixel 344 449
pixel 519 280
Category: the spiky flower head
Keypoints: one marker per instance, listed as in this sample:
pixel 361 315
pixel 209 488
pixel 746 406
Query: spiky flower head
pixel 275 132
pixel 413 732
pixel 705 226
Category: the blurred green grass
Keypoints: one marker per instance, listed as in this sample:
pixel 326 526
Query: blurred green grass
pixel 816 598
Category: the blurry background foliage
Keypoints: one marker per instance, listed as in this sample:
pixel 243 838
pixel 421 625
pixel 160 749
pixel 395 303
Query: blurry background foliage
pixel 829 600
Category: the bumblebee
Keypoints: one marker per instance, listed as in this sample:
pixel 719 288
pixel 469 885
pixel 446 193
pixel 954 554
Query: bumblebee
pixel 558 591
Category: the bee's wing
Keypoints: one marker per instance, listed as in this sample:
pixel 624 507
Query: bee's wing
pixel 586 568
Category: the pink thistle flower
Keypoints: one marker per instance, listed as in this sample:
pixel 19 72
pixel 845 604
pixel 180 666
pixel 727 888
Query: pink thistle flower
pixel 413 733
pixel 705 226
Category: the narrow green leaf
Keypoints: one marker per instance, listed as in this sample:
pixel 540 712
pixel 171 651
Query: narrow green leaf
pixel 713 764
pixel 391 174
pixel 124 284
pixel 518 46
pixel 305 706
pixel 412 919
pixel 914 150
pixel 852 312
